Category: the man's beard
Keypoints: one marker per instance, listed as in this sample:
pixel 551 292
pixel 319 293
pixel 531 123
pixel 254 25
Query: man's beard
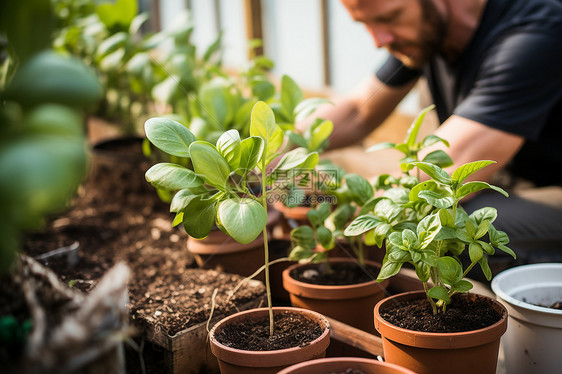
pixel 432 35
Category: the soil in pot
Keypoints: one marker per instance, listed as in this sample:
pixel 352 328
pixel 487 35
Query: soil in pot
pixel 462 314
pixel 291 330
pixel 344 294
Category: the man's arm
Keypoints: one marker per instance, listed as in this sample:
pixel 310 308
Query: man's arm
pixel 472 141
pixel 356 115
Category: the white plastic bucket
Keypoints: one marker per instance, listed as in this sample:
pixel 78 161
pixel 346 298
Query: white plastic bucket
pixel 533 341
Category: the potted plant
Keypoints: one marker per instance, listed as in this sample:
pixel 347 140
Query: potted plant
pixel 532 295
pixel 345 365
pixel 215 192
pixel 431 241
pixel 340 286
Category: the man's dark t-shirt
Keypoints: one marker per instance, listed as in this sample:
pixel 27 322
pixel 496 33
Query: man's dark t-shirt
pixel 510 78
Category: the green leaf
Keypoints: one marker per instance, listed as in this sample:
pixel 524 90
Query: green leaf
pixel 484 214
pixel 388 269
pixel 325 237
pixel 470 229
pixel 177 219
pixel 294 159
pixel 182 199
pixel 439 158
pixel 387 209
pixel 432 139
pixel 380 233
pixel 319 134
pixel 291 96
pixel 307 107
pixel 340 216
pixel 218 102
pixel 251 150
pixel 122 12
pixel 427 229
pixel 214 47
pixel 475 251
pixel 379 146
pixel 229 148
pixel 463 286
pixel 446 218
pixel 481 230
pixel 439 293
pixel 399 255
pixel 412 133
pixel 440 200
pixel 485 267
pixel 450 271
pixel 209 164
pixel 262 124
pixel 360 187
pixel 422 271
pixel 423 186
pixel 300 253
pixel 361 225
pixel 471 187
pixel 199 218
pixel 172 177
pixel 244 219
pixel 262 88
pixel 487 247
pixel 466 170
pixel 434 172
pixel 169 136
pixel 303 236
pixel 318 216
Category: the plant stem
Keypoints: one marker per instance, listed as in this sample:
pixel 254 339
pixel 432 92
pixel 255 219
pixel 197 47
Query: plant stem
pixel 431 302
pixel 468 269
pixel 266 253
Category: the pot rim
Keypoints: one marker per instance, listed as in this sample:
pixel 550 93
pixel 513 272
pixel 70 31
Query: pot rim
pixel 522 284
pixel 268 358
pixel 334 360
pixel 329 292
pixel 437 340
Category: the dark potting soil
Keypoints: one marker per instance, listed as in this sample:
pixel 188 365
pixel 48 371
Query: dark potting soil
pixel 463 314
pixel 343 273
pixel 291 330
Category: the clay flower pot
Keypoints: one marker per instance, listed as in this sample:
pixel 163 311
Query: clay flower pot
pixel 466 352
pixel 347 304
pixel 233 360
pixel 342 364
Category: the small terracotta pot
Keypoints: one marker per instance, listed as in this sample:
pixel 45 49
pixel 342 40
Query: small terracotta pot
pixel 348 304
pixel 342 364
pixel 234 361
pixel 425 352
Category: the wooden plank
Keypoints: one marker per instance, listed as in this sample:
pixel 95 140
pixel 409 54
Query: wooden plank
pixel 356 338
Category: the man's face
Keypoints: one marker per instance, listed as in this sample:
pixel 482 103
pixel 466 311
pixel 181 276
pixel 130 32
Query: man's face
pixel 411 30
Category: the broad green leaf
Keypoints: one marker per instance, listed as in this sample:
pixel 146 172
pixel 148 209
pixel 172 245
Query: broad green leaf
pixel 293 159
pixel 387 209
pixel 485 267
pixel 379 146
pixel 122 12
pixel 487 247
pixel 319 134
pixel 471 187
pixel 299 253
pixel 432 139
pixel 172 177
pixel 291 96
pixel 446 218
pixel 177 219
pixel 427 229
pixel 409 239
pixel 440 200
pixel 380 232
pixel 412 133
pixel 463 286
pixel 229 148
pixel 439 158
pixel 182 199
pixel 340 216
pixel 298 139
pixel 318 216
pixel 450 271
pixel 434 172
pixel 244 219
pixel 303 236
pixel 484 214
pixel 507 250
pixel 137 22
pixel 369 205
pixel 307 107
pixel 214 47
pixel 422 271
pixel 481 230
pixel 218 102
pixel 325 237
pixel 398 195
pixel 251 150
pixel 361 225
pixel 262 124
pixel 209 164
pixel 388 269
pixel 439 293
pixel 169 136
pixel 399 255
pixel 466 170
pixel 475 251
pixel 423 186
pixel 199 218
pixel 429 258
pixel 111 44
pixel 360 187
pixel 470 229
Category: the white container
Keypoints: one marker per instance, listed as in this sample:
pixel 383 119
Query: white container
pixel 533 341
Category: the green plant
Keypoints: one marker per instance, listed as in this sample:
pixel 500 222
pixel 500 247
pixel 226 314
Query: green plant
pixel 215 191
pixel 424 225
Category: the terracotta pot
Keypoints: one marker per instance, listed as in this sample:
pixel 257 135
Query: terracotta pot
pixel 424 352
pixel 219 250
pixel 292 217
pixel 342 364
pixel 348 304
pixel 233 361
